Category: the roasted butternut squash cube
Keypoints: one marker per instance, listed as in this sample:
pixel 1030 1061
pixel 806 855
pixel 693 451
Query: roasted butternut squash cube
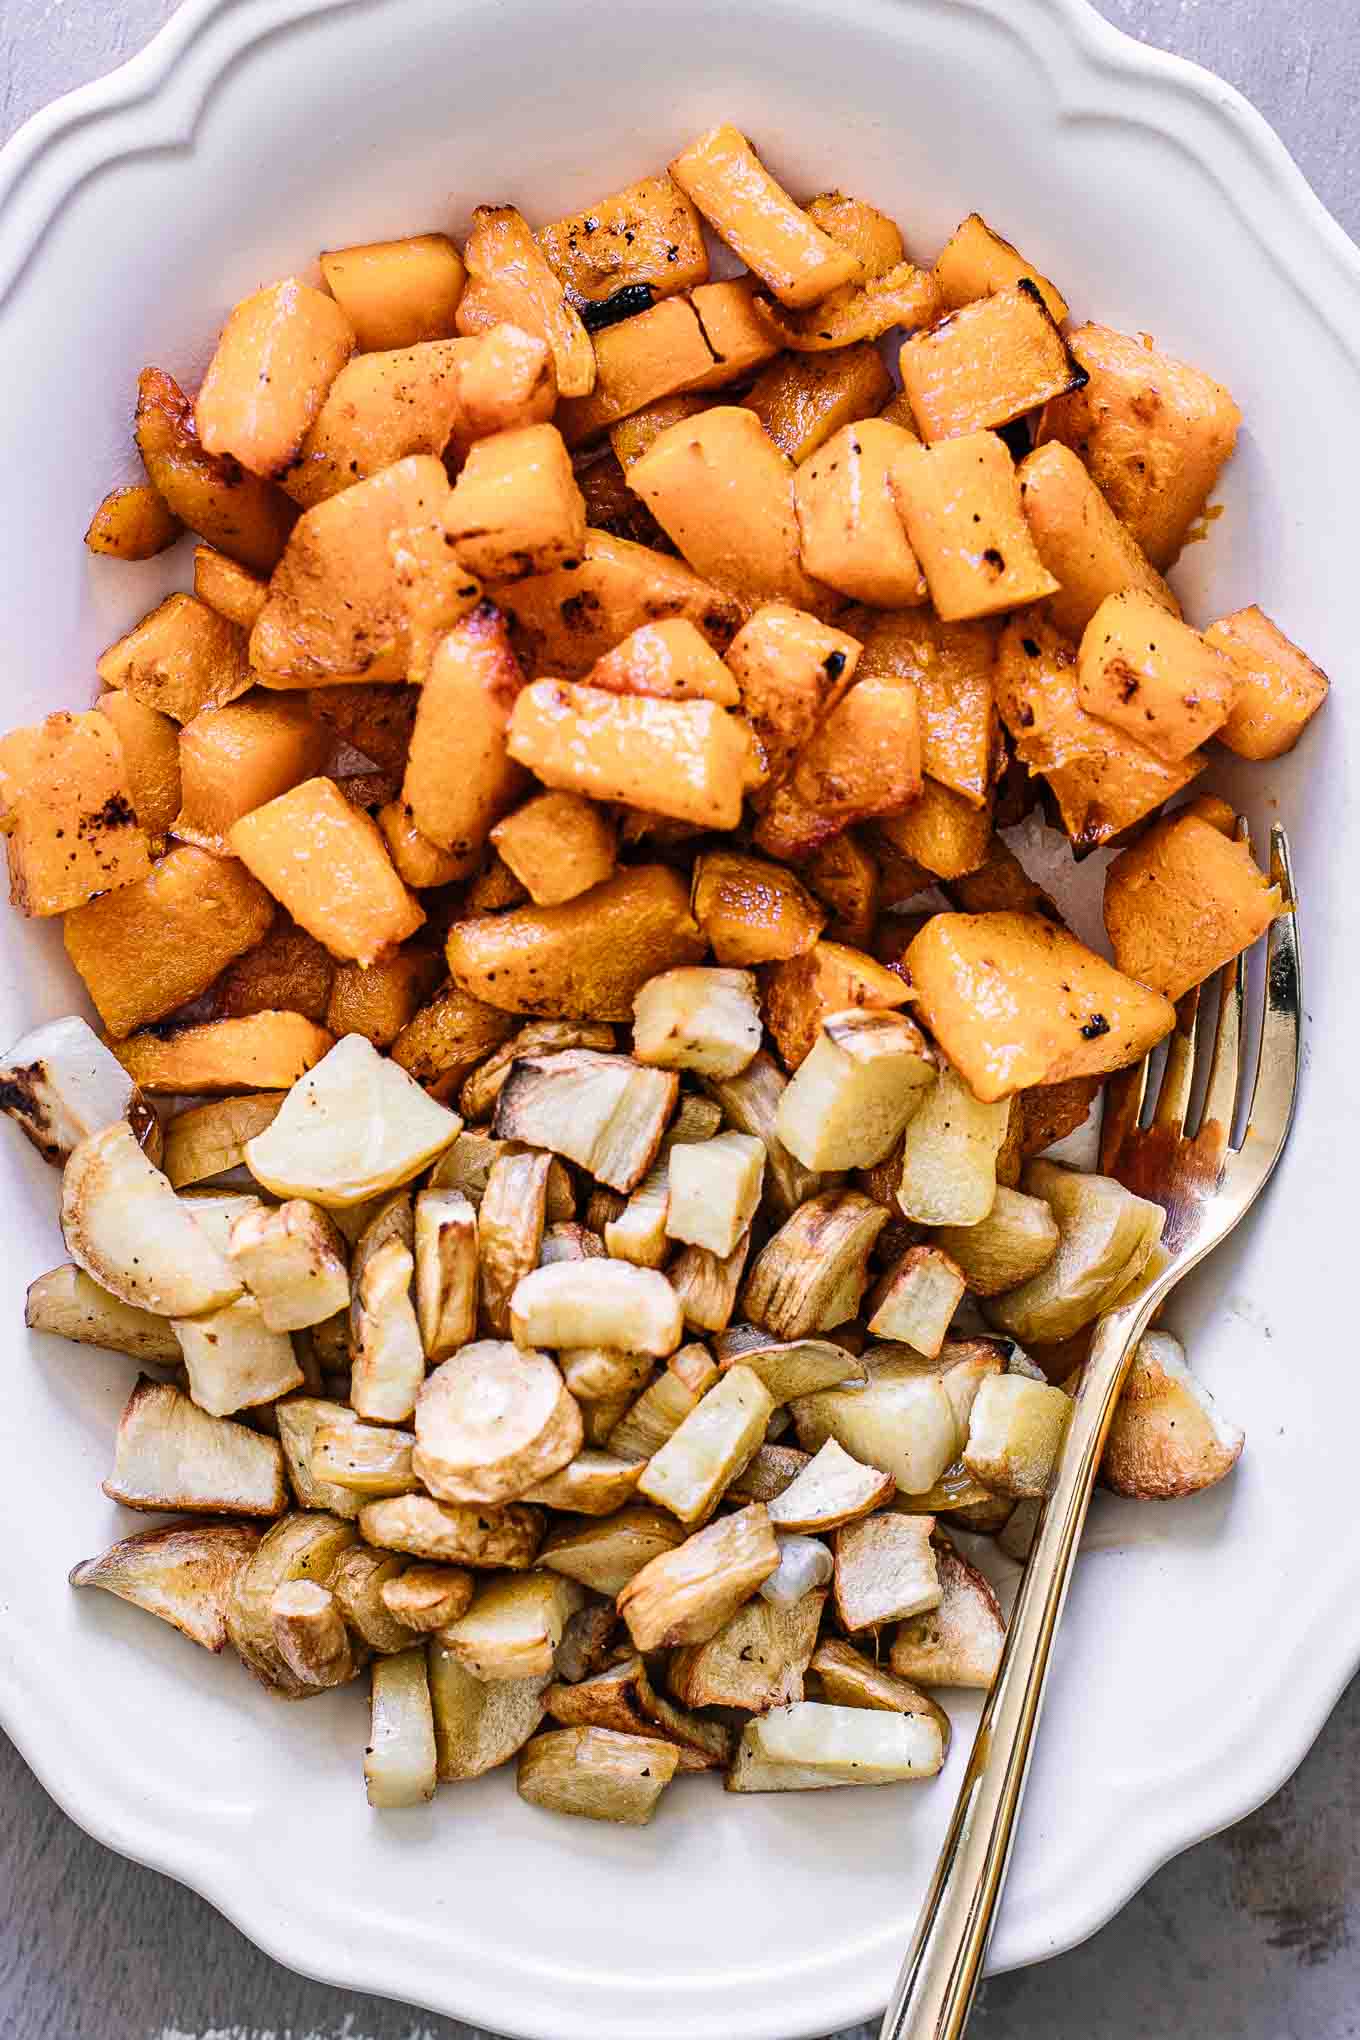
pixel 672 661
pixel 510 283
pixel 266 1052
pixel 1101 779
pixel 828 978
pixel 850 533
pixel 690 760
pixel 325 862
pixel 631 437
pixel 752 911
pixel 802 399
pixel 241 514
pixel 397 293
pixel 515 508
pixel 134 523
pixel 791 669
pixel 738 338
pixel 950 667
pixel 1081 541
pixel 1184 900
pixel 975 262
pixel 557 845
pixel 181 658
pixel 460 778
pixel 736 194
pixel 863 760
pixel 446 1039
pixel 228 587
pixel 276 357
pixel 506 378
pixel 906 296
pixel 723 493
pixel 843 874
pixel 986 364
pixel 236 758
pixel 585 959
pixel 1014 1000
pixel 289 972
pixel 1153 677
pixel 570 618
pixel 67 814
pixel 646 235
pixel 1278 689
pixel 419 862
pixel 941 832
pixel 379 1001
pixel 960 502
pixel 150 947
pixel 1153 432
pixel 637 362
pixel 150 744
pixel 380 408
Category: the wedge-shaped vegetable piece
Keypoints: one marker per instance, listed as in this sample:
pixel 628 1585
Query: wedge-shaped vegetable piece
pixel 850 535
pixel 268 1051
pixel 169 1454
pixel 400 1763
pixel 479 1725
pixel 686 1595
pixel 289 972
pixel 594 1483
pixel 1014 1001
pixel 1105 1237
pixel 811 1744
pixel 696 1464
pixel 832 1488
pixel 1081 541
pixel 690 760
pixel 310 1635
pixel 729 184
pixel 585 958
pixel 515 508
pixel 395 293
pixel 180 659
pixel 182 1572
pixel 773 1469
pixel 235 758
pixel 715 1188
pixel 427 1597
pixel 537 1037
pixel 459 779
pixel 235 1361
pixel 211 1138
pixel 697 1019
pixel 596 1303
pixel 447 1038
pixel 802 402
pixel 326 861
pixel 922 1292
pixel 245 517
pixel 1015 1431
pixel 509 282
pixel 1017 1238
pixel 960 503
pixel 664 1404
pixel 958 1642
pixel 723 492
pixel 301 1419
pixel 558 845
pixel 755 1661
pixel 572 617
pixel 850 1099
pixel 66 813
pixel 672 661
pixel 638 1234
pixel 353 1127
pixel 510 1233
pixel 59 1084
pixel 451 1535
pixel 150 745
pixel 382 999
pixel 389 1361
pixel 597 1773
pixel 132 524
pixel 66 1302
pixel 864 761
pixel 885 1570
pixel 621 1698
pixel 975 261
pixel 277 356
pixel 492 1422
pixel 707 1284
pixel 513 1627
pixel 367 1460
pixel 229 588
pixel 126 1228
pixel 792 669
pixel 949 666
pixel 605 1553
pixel 903 1423
pixel 941 835
pixel 298 1548
pixel 753 911
pixel 419 862
pixel 788 1368
pixel 1184 900
pixel 1278 688
pixel 811 1275
pixel 357 1580
pixel 1153 431
pixel 604 1111
pixel 648 234
pixel 1153 677
pixel 1168 1437
pixel 847 1679
pixel 446 1271
pixel 989 362
pixel 801 993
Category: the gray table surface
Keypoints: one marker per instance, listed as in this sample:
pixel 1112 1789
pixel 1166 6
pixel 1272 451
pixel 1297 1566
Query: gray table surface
pixel 1250 1936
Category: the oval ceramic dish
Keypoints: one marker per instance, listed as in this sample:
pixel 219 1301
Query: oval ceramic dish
pixel 1205 1640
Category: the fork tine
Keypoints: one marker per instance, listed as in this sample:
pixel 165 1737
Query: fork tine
pixel 1277 1072
pixel 1179 1074
pixel 1220 1095
pixel 1124 1094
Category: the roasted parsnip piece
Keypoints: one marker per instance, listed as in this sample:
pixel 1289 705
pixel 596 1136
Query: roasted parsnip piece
pixel 492 1422
pixel 706 1284
pixel 1105 1238
pixel 604 1373
pixel 400 1766
pixel 427 1597
pixel 621 1697
pixel 597 1773
pixel 127 1229
pixel 686 1595
pixel 182 1572
pixel 903 1423
pixel 831 1489
pixel 310 1635
pixel 588 1642
pixel 603 1111
pixel 514 1626
pixel 639 1233
pixel 885 1570
pixel 715 1188
pixel 787 1367
pixel 1168 1437
pixel 368 1460
pixel 697 1018
pixel 594 1483
pixel 664 1404
pixel 169 1454
pixel 354 1126
pixel 773 1469
pixel 300 1420
pixel 446 1271
pixel 294 1263
pixel 60 1084
pixel 597 1303
pixel 949 1158
pixel 477 1099
pixel 847 1679
pixel 1017 1238
pixel 696 1464
pixel 298 1547
pixel 509 1233
pixel 958 1642
pixel 479 1725
pixel 389 1360
pixel 1015 1431
pixel 67 1302
pixel 811 1275
pixel 750 1102
pixel 234 1359
pixel 922 1292
pixel 357 1581
pixel 756 1660
pixel 450 1535
pixel 606 1554
pixel 849 1100
pixel 810 1744
pixel 211 1138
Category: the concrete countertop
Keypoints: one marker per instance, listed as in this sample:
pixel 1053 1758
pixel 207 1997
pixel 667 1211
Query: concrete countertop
pixel 1254 1935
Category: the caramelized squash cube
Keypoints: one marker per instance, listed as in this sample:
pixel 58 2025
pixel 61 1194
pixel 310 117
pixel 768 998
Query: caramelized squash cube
pixel 570 618
pixel 397 293
pixel 850 533
pixel 1278 690
pixel 133 524
pixel 1153 677
pixel 289 972
pixel 791 670
pixel 419 862
pixel 802 399
pixel 736 194
pixel 986 364
pixel 844 876
pixel 506 378
pixel 738 338
pixel 975 262
pixel 228 587
pixel 510 283
pixel 752 911
pixel 447 1039
pixel 515 508
pixel 1081 541
pixel 460 778
pixel 1184 900
pixel 277 356
pixel 632 435
pixel 943 833
pixel 864 760
pixel 236 758
pixel 379 1001
pixel 690 760
pixel 150 744
pixel 828 978
pixel 641 360
pixel 646 235
pixel 179 659
pixel 67 815
pixel 960 502
pixel 950 667
pixel 558 845
pixel 381 408
pixel 241 514
pixel 266 1052
pixel 672 661
pixel 325 862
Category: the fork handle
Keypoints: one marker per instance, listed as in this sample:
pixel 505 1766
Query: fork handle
pixel 942 1971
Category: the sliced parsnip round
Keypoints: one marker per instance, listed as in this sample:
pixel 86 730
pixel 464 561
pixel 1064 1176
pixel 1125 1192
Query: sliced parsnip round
pixel 1167 1437
pixel 1106 1235
pixel 127 1229
pixel 354 1126
pixel 493 1422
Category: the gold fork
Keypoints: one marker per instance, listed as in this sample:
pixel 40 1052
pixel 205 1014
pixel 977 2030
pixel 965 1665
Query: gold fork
pixel 1206 1186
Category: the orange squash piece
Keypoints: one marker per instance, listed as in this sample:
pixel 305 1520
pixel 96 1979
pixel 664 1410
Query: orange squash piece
pixel 152 946
pixel 648 235
pixel 736 194
pixel 632 435
pixel 986 364
pixel 752 911
pixel 637 362
pixel 228 587
pixel 849 530
pixel 1014 1000
pixel 289 972
pixel 1153 677
pixel 738 338
pixel 134 523
pixel 397 293
pixel 791 669
pixel 506 377
pixel 844 876
pixel 1081 541
pixel 181 658
pixel 325 862
pixel 150 744
pixel 671 660
pixel 1184 900
pixel 510 282
pixel 67 814
pixel 277 356
pixel 570 618
pixel 267 1052
pixel 1279 689
pixel 558 845
pixel 803 399
pixel 419 862
pixel 376 719
pixel 690 760
pixel 976 262
pixel 446 1039
pixel 943 833
pixel 828 978
pixel 515 508
pixel 960 502
pixel 236 758
pixel 241 514
pixel 864 760
pixel 379 1001
pixel 380 408
pixel 460 778
pixel 950 667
